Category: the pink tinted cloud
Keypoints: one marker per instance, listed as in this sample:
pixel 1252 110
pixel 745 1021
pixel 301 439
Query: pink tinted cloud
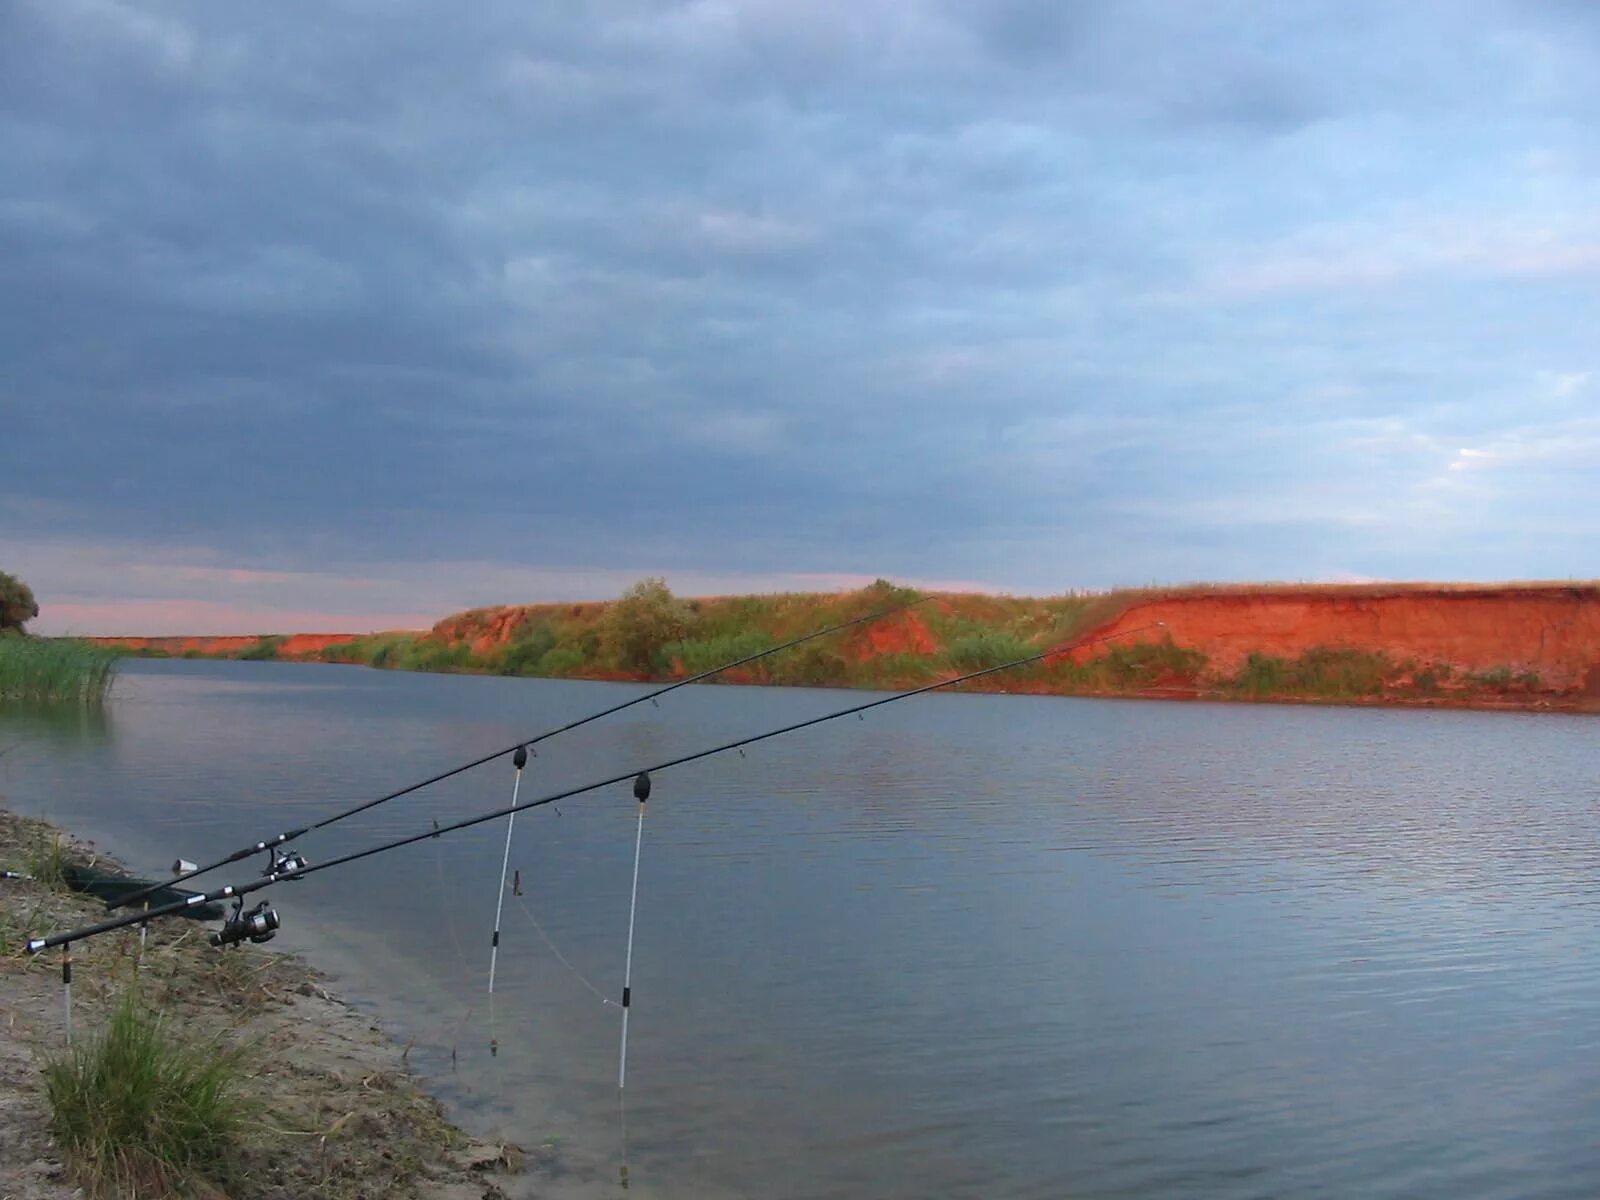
pixel 155 618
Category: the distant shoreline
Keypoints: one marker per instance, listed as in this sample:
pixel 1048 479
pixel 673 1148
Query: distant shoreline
pixel 1519 647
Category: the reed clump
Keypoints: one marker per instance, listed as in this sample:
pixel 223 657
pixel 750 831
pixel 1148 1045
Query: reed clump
pixel 36 668
pixel 141 1112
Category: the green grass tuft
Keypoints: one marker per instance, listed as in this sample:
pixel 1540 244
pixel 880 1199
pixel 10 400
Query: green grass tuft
pixel 44 861
pixel 36 668
pixel 140 1112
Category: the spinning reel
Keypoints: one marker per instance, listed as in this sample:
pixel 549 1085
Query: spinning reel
pixel 258 925
pixel 285 864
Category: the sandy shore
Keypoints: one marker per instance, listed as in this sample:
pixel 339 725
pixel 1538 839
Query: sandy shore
pixel 334 1111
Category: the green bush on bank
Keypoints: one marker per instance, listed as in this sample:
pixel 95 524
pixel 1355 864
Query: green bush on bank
pixel 1262 675
pixel 640 623
pixel 1325 672
pixel 812 665
pixel 562 662
pixel 428 655
pixel 522 657
pixel 1133 665
pixel 692 656
pixel 265 649
pixel 986 648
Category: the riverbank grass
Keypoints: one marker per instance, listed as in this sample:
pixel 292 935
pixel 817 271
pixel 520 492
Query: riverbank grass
pixel 142 1112
pixel 36 668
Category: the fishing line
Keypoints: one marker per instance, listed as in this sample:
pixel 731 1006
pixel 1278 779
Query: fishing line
pixel 289 835
pixel 223 893
pixel 447 894
pixel 562 958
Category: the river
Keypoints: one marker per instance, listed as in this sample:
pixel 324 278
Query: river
pixel 971 946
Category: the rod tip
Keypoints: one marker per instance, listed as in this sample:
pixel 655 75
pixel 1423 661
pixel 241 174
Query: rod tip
pixel 520 758
pixel 35 945
pixel 641 786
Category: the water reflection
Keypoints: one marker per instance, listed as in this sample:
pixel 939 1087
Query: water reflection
pixel 56 723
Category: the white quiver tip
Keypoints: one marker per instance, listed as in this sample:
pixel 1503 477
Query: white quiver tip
pixel 518 760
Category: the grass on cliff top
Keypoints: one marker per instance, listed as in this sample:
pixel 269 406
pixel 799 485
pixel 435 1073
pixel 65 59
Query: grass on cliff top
pixel 142 1112
pixel 36 668
pixel 650 634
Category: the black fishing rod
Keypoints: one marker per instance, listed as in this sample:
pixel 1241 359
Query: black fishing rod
pixel 292 864
pixel 260 923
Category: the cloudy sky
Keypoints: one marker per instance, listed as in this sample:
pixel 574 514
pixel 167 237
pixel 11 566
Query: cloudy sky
pixel 349 313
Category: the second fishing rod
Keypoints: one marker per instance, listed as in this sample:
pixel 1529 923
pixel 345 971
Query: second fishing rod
pixel 239 927
pixel 288 864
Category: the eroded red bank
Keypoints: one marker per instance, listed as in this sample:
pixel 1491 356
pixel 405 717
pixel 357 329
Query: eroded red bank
pixel 1551 631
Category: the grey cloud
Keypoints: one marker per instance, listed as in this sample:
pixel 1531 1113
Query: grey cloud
pixel 782 285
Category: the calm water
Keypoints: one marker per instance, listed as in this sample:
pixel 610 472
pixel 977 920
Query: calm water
pixel 973 946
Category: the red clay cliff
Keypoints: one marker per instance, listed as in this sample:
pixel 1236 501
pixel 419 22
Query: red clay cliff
pixel 1548 630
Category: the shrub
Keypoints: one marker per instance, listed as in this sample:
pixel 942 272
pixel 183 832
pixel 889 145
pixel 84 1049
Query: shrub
pixel 707 654
pixel 265 649
pixel 426 654
pixel 139 1111
pixel 882 593
pixel 1495 678
pixel 1427 679
pixel 903 669
pixel 640 622
pixel 522 656
pixel 812 664
pixel 986 648
pixel 17 605
pixel 1263 675
pixel 1142 664
pixel 1329 671
pixel 375 650
pixel 562 661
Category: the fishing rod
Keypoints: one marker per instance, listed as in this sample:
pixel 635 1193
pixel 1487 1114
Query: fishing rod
pixel 242 926
pixel 291 865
